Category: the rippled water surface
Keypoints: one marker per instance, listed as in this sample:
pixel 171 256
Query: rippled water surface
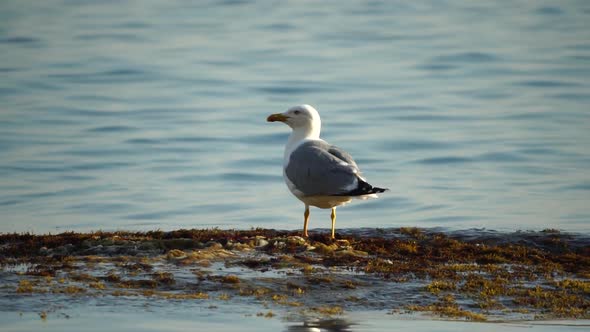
pixel 151 114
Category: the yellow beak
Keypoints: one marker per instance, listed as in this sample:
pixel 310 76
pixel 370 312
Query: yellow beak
pixel 277 117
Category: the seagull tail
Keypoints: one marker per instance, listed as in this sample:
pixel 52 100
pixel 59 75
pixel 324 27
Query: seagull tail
pixel 377 190
pixel 364 189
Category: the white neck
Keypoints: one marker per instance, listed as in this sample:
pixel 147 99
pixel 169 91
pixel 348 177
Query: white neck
pixel 298 136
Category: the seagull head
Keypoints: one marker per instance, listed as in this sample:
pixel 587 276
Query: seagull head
pixel 300 118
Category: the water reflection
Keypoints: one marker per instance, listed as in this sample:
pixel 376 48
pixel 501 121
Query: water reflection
pixel 327 325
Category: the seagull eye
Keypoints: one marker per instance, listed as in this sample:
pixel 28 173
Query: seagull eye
pixel 297 112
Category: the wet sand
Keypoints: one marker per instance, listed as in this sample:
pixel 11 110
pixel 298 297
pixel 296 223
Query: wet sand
pixel 268 280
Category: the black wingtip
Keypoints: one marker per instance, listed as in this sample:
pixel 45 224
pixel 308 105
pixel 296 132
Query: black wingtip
pixel 377 190
pixel 364 188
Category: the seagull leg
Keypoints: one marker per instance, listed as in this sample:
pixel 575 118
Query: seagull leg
pixel 333 215
pixel 305 220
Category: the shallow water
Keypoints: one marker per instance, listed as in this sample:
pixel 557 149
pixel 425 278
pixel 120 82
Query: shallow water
pixel 213 321
pixel 152 115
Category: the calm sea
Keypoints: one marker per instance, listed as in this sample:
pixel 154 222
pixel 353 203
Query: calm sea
pixel 146 115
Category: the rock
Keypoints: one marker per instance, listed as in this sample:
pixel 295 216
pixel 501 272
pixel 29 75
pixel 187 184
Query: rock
pixel 298 240
pixel 63 250
pixel 241 247
pixel 213 245
pixel 261 242
pixel 176 254
pixel 44 251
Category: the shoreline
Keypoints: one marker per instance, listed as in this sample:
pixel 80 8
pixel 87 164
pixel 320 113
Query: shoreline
pixel 405 272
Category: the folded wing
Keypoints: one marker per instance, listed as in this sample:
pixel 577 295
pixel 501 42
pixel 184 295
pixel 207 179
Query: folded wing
pixel 316 168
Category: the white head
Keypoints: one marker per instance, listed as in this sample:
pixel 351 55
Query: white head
pixel 303 119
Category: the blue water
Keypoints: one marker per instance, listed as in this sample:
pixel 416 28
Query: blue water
pixel 148 115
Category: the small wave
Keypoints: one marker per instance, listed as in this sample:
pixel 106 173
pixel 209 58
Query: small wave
pixel 104 152
pixel 572 96
pixel 191 178
pixel 100 208
pixel 549 10
pixel 290 90
pixel 121 37
pixel 146 141
pixel 437 67
pixel 580 186
pixel 435 118
pixel 466 57
pixel 10 202
pixel 250 177
pixel 547 84
pixel 122 75
pixel 111 129
pixel 268 138
pixel 413 145
pixel 19 40
pixel 100 166
pixel 501 157
pixel 444 160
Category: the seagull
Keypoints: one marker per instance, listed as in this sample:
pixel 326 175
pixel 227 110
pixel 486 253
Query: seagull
pixel 317 173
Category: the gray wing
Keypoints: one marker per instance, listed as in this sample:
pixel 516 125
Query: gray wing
pixel 317 168
pixel 339 153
